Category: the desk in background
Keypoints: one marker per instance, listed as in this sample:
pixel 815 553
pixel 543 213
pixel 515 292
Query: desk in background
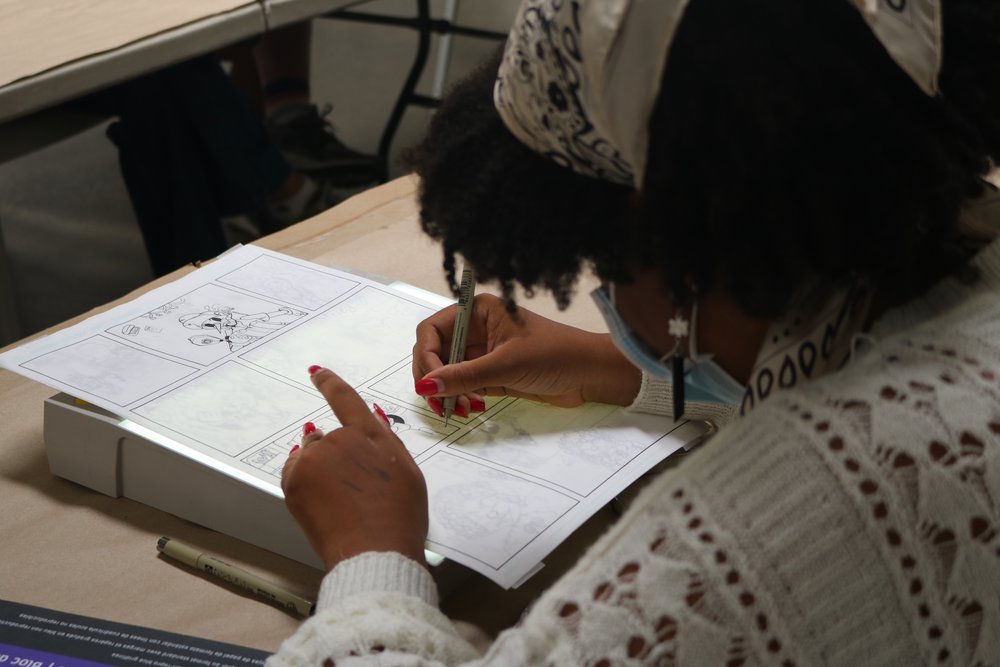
pixel 51 52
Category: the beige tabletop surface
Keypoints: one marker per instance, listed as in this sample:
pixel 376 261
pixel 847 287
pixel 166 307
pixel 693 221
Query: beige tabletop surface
pixel 68 548
pixel 51 52
pixel 38 36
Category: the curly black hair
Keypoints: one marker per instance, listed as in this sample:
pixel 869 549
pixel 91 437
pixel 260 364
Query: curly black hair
pixel 786 148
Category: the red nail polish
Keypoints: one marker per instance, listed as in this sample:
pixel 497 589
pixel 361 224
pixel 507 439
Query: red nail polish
pixel 381 414
pixel 427 387
pixel 314 369
pixel 477 404
pixel 461 410
pixel 309 428
pixel 436 406
pixel 293 449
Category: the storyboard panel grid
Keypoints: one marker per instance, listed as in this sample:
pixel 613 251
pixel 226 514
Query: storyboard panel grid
pixel 215 365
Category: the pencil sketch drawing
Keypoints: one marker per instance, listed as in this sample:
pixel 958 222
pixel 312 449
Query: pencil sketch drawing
pixel 232 409
pixel 291 283
pixel 109 369
pixel 487 513
pixel 332 339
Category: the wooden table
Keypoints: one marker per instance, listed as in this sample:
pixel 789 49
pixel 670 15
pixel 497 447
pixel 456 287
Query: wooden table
pixel 68 548
pixel 53 52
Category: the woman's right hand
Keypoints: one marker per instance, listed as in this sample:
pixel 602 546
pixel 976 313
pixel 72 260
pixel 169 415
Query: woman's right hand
pixel 527 356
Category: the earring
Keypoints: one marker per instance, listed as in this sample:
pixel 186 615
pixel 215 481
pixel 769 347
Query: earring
pixel 678 327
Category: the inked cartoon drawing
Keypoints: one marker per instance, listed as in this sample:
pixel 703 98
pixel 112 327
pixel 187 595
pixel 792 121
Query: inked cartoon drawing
pixel 399 426
pixel 219 324
pixel 418 435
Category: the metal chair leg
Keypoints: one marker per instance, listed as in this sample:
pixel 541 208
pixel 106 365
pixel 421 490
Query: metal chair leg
pixel 425 26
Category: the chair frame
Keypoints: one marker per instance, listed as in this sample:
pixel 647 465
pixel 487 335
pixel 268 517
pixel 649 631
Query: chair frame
pixel 426 26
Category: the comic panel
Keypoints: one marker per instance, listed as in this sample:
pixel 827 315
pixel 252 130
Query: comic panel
pixel 232 408
pixel 207 324
pixel 396 389
pixel 418 432
pixel 485 513
pixel 271 457
pixel 399 385
pixel 288 282
pixel 110 370
pixel 576 449
pixel 359 338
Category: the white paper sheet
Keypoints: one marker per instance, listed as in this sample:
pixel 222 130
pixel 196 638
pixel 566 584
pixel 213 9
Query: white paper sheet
pixel 216 364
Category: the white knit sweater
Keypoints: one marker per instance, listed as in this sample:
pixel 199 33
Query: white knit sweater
pixel 854 520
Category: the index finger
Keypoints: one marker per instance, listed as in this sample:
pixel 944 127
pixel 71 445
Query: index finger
pixel 349 408
pixel 432 336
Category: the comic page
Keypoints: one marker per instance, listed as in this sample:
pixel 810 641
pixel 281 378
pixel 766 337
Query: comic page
pixel 217 362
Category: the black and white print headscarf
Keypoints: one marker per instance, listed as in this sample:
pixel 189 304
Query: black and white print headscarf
pixel 579 78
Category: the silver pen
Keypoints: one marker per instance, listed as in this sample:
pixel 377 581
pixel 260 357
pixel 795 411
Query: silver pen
pixel 466 292
pixel 231 574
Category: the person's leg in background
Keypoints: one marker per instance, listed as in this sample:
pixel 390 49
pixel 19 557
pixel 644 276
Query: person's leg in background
pixel 282 58
pixel 297 126
pixel 192 152
pixel 168 178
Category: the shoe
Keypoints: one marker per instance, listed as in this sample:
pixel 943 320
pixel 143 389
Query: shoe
pixel 306 138
pixel 313 198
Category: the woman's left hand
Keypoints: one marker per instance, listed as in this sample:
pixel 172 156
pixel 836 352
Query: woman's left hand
pixel 355 489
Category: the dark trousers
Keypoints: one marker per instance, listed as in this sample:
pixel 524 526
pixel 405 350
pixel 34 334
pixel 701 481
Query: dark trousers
pixel 191 152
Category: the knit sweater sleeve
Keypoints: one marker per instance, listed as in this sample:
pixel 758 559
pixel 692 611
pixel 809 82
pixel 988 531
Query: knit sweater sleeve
pixel 850 521
pixel 373 609
pixel 669 584
pixel 642 594
pixel 656 397
pixel 802 534
pixel 792 538
pixel 681 579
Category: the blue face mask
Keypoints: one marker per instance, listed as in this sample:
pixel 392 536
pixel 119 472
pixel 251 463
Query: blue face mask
pixel 704 380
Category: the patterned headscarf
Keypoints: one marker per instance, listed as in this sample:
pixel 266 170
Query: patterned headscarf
pixel 579 78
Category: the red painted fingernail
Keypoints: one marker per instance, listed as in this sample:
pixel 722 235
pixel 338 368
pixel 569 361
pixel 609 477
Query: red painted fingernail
pixel 314 369
pixel 428 387
pixel 477 404
pixel 309 428
pixel 461 410
pixel 381 414
pixel 435 405
pixel 293 449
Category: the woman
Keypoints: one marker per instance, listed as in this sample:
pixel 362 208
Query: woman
pixel 785 204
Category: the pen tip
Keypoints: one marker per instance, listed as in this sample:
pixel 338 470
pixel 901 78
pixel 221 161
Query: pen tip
pixel 162 543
